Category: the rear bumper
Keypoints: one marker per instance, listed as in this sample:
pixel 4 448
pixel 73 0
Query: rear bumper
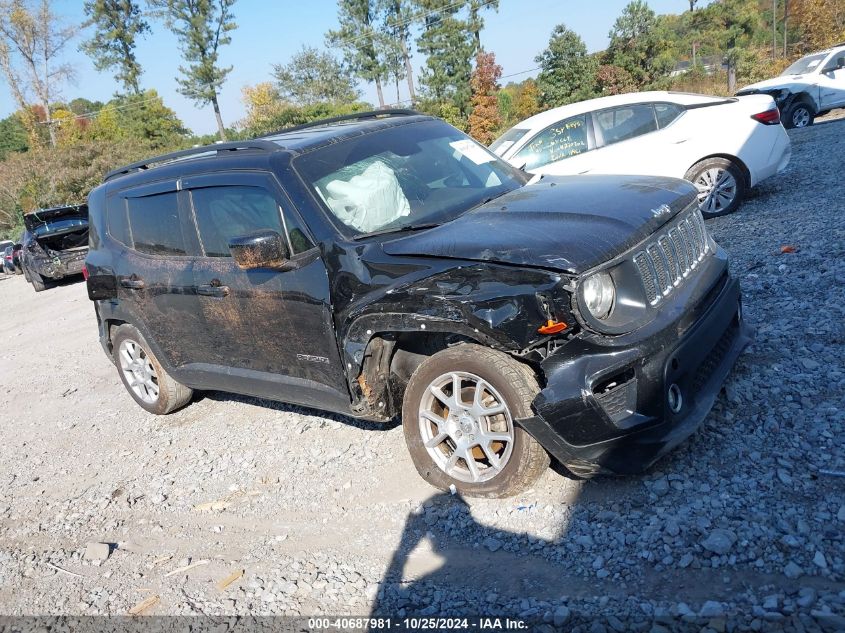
pixel 61 264
pixel 778 158
pixel 593 429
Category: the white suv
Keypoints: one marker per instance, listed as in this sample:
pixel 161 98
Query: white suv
pixel 812 86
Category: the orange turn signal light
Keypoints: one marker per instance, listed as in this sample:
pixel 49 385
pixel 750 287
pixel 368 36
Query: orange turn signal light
pixel 552 327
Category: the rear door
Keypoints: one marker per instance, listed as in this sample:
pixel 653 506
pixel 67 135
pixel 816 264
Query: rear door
pixel 154 271
pixel 270 331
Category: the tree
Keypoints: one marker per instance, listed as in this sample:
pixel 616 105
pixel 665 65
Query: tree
pixel 476 22
pixel 32 40
pixel 202 26
pixel 636 44
pixel 526 103
pixel 359 40
pixel 567 72
pixel 732 26
pixel 613 80
pixel 117 24
pixel 13 136
pixel 397 18
pixel 822 22
pixel 313 76
pixel 692 4
pixel 447 43
pixel 484 119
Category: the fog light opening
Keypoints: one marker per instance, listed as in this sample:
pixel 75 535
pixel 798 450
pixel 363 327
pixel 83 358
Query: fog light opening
pixel 674 399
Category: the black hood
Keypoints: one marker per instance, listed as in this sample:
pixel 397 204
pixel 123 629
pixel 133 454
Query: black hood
pixel 566 223
pixel 43 216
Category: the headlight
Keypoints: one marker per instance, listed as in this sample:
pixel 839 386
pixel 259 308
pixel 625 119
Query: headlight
pixel 599 293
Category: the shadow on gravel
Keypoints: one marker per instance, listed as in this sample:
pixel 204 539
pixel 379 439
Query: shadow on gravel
pixel 222 396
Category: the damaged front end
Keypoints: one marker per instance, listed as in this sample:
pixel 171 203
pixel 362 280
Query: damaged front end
pixel 57 242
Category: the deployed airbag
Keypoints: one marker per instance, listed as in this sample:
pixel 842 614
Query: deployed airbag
pixel 368 201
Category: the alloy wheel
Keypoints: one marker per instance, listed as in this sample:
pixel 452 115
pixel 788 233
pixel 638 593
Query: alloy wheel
pixel 466 427
pixel 717 189
pixel 139 372
pixel 800 117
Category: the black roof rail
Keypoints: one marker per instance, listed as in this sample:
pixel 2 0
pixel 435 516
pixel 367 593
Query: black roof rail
pixel 357 116
pixel 218 148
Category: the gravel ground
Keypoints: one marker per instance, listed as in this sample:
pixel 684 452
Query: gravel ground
pixel 741 528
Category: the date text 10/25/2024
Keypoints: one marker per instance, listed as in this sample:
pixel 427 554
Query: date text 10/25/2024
pixel 416 624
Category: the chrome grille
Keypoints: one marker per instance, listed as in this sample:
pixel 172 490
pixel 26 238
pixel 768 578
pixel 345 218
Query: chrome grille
pixel 670 257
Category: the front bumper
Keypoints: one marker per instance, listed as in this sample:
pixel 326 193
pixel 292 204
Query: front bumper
pixel 605 409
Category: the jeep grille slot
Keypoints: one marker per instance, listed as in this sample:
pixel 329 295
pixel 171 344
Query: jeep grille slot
pixel 670 257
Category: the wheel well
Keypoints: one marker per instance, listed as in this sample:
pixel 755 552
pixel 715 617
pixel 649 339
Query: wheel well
pixel 746 173
pixel 110 326
pixel 805 98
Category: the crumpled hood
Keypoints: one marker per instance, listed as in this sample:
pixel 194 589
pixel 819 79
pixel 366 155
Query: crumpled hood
pixel 565 223
pixel 776 83
pixel 43 216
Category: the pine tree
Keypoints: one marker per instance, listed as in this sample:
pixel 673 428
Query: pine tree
pixel 567 71
pixel 476 22
pixel 117 24
pixel 313 76
pixel 397 19
pixel 636 44
pixel 202 26
pixel 359 39
pixel 448 45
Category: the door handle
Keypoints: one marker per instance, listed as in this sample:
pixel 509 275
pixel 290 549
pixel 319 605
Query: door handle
pixel 133 283
pixel 211 290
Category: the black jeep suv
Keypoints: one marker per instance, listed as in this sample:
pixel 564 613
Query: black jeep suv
pixel 387 265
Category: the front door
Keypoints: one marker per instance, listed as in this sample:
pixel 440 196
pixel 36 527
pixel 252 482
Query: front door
pixel 268 332
pixel 832 83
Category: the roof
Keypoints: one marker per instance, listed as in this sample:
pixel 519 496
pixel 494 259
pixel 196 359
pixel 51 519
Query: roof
pixel 544 119
pixel 296 140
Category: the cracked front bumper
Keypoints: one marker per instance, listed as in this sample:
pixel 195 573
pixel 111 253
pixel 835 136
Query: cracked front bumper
pixel 605 407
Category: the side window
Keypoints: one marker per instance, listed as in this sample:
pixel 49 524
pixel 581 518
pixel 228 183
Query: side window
pixel 621 124
pixel 155 226
pixel 560 141
pixel 226 212
pixel 666 113
pixel 117 220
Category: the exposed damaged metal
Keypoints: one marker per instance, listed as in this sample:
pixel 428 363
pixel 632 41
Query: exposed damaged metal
pixel 55 243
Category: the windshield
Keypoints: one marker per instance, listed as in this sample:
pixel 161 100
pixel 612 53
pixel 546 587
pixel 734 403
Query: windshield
pixel 507 140
pixel 404 177
pixel 805 65
pixel 61 225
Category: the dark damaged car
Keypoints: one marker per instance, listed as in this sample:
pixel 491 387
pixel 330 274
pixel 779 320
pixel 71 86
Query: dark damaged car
pixel 388 266
pixel 54 244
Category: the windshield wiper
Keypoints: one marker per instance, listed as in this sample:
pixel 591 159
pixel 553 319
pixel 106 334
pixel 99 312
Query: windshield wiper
pixel 398 229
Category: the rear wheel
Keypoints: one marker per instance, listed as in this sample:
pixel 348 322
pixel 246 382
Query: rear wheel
pixel 143 376
pixel 721 186
pixel 459 415
pixel 798 115
pixel 37 281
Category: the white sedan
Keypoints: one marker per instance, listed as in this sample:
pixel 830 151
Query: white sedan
pixel 722 145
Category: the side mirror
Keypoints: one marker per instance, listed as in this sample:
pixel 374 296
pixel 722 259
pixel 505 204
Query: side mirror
pixel 261 249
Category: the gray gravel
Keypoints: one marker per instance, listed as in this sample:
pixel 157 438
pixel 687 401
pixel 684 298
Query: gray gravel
pixel 739 529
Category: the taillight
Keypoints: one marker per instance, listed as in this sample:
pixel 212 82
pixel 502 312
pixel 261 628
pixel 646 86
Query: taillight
pixel 85 272
pixel 769 117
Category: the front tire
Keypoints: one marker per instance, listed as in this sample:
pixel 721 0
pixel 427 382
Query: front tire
pixel 143 376
pixel 458 416
pixel 798 115
pixel 721 186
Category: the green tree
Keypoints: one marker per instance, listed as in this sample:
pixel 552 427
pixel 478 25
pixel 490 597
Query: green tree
pixel 638 46
pixel 13 136
pixel 567 71
pixel 117 24
pixel 314 76
pixel 397 19
pixel 145 117
pixel 731 27
pixel 449 47
pixel 476 22
pixel 360 41
pixel 202 26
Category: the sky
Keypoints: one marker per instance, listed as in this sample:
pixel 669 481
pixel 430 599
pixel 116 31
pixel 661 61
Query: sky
pixel 271 31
